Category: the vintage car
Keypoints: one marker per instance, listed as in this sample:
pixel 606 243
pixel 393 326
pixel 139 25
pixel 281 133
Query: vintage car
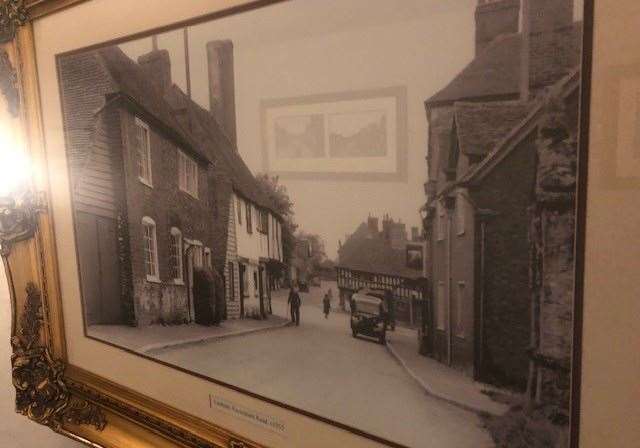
pixel 369 314
pixel 303 285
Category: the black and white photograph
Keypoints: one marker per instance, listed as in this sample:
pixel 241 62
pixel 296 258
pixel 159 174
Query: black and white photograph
pixel 362 211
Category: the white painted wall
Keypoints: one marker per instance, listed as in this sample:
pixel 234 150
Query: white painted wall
pixel 256 245
pixel 253 246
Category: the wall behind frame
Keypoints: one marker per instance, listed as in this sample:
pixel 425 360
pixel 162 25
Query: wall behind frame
pixel 611 336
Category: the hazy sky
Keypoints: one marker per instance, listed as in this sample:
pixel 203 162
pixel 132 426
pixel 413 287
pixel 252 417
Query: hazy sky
pixel 301 48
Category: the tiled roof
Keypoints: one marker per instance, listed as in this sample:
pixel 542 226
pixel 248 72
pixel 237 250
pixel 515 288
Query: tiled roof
pixel 480 126
pixel 562 89
pixel 226 154
pixel 206 138
pixel 133 83
pixel 375 255
pixel 495 72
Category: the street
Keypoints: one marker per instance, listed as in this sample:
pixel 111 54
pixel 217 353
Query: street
pixel 319 367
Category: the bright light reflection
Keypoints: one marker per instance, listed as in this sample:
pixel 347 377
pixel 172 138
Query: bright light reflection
pixel 15 167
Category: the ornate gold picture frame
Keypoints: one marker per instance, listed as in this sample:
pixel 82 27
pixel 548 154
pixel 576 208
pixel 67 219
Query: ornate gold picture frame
pixel 71 400
pixel 49 391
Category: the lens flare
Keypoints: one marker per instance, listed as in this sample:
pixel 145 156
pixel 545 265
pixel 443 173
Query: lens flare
pixel 15 166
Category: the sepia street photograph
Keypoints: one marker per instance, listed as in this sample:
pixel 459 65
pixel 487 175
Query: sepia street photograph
pixel 363 211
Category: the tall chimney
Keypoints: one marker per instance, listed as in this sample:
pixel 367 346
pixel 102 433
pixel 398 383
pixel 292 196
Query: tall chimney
pixel 372 225
pixel 552 43
pixel 157 68
pixel 493 18
pixel 221 85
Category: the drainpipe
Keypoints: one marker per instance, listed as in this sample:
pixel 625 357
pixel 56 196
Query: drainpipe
pixel 480 334
pixel 450 326
pixel 483 215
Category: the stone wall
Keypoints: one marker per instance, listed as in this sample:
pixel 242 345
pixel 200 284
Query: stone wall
pixel 552 237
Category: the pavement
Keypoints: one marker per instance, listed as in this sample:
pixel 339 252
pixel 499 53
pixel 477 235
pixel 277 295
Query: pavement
pixel 320 368
pixel 439 380
pixel 148 340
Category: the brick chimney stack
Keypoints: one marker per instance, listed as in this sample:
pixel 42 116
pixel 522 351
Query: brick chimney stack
pixel 493 18
pixel 372 225
pixel 549 43
pixel 157 67
pixel 221 85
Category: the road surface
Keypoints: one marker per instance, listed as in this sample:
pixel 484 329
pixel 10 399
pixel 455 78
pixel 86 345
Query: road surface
pixel 319 367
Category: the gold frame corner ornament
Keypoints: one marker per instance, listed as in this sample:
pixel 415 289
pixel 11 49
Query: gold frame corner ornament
pixel 50 390
pixel 18 217
pixel 9 83
pixel 41 391
pixel 13 14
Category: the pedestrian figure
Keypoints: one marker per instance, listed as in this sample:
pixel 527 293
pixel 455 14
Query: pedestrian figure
pixel 326 303
pixel 295 302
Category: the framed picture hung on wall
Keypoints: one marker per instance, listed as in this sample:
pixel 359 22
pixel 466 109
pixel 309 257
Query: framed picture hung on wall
pixel 297 224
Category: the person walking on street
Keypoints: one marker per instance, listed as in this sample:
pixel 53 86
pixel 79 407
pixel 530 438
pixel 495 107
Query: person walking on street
pixel 326 304
pixel 294 301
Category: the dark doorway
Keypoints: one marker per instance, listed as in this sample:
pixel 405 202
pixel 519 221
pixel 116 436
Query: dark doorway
pixel 97 241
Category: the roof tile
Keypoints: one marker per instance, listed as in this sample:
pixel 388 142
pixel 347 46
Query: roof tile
pixel 481 125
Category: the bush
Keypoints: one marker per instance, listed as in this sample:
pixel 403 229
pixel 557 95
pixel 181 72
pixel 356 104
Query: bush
pixel 523 427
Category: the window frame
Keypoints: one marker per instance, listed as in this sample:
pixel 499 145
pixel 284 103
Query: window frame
pixel 249 217
pixel 263 221
pixel 239 211
pixel 184 163
pixel 206 260
pixel 440 227
pixel 148 222
pixel 179 267
pixel 139 124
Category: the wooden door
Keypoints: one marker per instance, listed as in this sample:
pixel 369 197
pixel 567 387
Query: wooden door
pixel 99 262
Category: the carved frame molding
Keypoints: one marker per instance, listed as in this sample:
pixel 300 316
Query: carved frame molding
pixel 49 391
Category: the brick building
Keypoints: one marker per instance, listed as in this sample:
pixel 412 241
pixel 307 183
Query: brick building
pixel 483 158
pixel 248 229
pixel 378 258
pixel 154 177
